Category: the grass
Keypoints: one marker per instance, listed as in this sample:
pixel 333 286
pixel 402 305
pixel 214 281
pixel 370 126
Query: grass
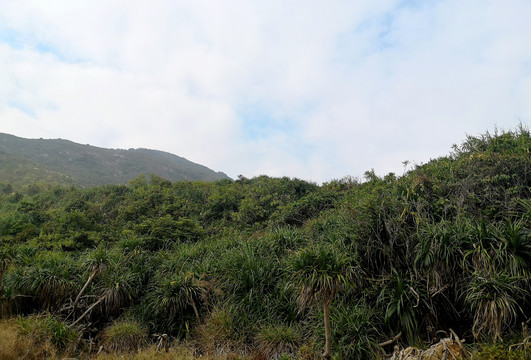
pixel 275 341
pixel 125 336
pixel 12 346
pixel 22 340
pixel 33 339
pixel 178 352
pixel 500 352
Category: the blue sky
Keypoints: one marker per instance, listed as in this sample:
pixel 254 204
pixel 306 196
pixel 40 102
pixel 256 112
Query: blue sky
pixel 315 90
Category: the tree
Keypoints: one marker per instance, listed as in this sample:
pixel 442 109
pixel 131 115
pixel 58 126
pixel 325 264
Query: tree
pixel 139 181
pixel 494 299
pixel 49 279
pixel 116 289
pixel 173 295
pixel 98 261
pixel 319 273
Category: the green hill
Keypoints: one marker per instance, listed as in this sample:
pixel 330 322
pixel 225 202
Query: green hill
pixel 64 162
pixel 278 268
pixel 16 169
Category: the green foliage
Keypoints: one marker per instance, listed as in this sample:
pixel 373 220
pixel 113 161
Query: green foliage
pixel 46 328
pixel 401 302
pixel 220 330
pixel 138 182
pixel 278 341
pixel 163 232
pixel 494 299
pixel 446 245
pixel 515 248
pixel 249 276
pixel 320 272
pixel 307 207
pixel 31 164
pixel 119 288
pixel 501 352
pixel 510 143
pixel 50 279
pixel 173 295
pixel 356 331
pixel 125 336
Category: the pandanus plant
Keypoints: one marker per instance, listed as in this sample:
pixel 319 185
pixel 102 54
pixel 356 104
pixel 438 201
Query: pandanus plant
pixel 176 293
pixel 49 279
pixel 319 273
pixel 5 261
pixel 98 261
pixel 115 291
pixel 494 299
pixel 498 285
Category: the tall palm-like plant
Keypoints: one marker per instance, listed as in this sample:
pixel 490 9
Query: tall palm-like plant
pixel 50 279
pixel 319 273
pixel 5 261
pixel 494 299
pixel 402 302
pixel 173 295
pixel 98 261
pixel 515 250
pixel 498 264
pixel 115 290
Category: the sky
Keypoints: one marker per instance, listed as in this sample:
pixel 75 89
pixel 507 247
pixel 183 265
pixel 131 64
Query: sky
pixel 315 90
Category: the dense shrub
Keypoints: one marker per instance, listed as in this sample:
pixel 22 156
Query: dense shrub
pixel 221 265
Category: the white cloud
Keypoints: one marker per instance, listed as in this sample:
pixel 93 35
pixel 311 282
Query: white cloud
pixel 346 86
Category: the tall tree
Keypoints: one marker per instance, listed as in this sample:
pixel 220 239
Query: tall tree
pixel 319 273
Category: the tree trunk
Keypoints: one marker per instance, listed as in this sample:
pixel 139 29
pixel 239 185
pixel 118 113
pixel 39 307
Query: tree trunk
pixel 84 288
pixel 192 302
pixel 328 331
pixel 88 310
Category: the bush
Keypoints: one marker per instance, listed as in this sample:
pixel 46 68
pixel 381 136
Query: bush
pixel 356 332
pixel 219 333
pixel 499 352
pixel 125 336
pixel 48 334
pixel 278 341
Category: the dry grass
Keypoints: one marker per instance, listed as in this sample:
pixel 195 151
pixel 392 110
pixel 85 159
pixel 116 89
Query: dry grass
pixel 149 354
pixel 9 342
pixel 178 352
pixel 217 336
pixel 14 346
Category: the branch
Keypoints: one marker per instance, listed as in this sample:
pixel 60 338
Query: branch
pixel 389 342
pixel 416 295
pixel 84 288
pixel 88 310
pixel 523 344
pixel 460 344
pixel 440 290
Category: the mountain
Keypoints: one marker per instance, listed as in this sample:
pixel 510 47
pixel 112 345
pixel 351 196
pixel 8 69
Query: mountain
pixel 24 161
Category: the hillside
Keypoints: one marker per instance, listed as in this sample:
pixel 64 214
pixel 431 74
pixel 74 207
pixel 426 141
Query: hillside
pixel 20 170
pixel 65 162
pixel 253 268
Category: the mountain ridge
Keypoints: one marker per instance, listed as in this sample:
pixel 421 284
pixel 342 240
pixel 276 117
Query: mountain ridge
pixel 87 165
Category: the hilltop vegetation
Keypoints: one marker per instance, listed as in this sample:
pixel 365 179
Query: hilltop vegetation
pixel 61 162
pixel 253 266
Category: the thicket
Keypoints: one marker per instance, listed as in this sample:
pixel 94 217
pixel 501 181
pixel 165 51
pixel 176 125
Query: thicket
pixel 259 266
